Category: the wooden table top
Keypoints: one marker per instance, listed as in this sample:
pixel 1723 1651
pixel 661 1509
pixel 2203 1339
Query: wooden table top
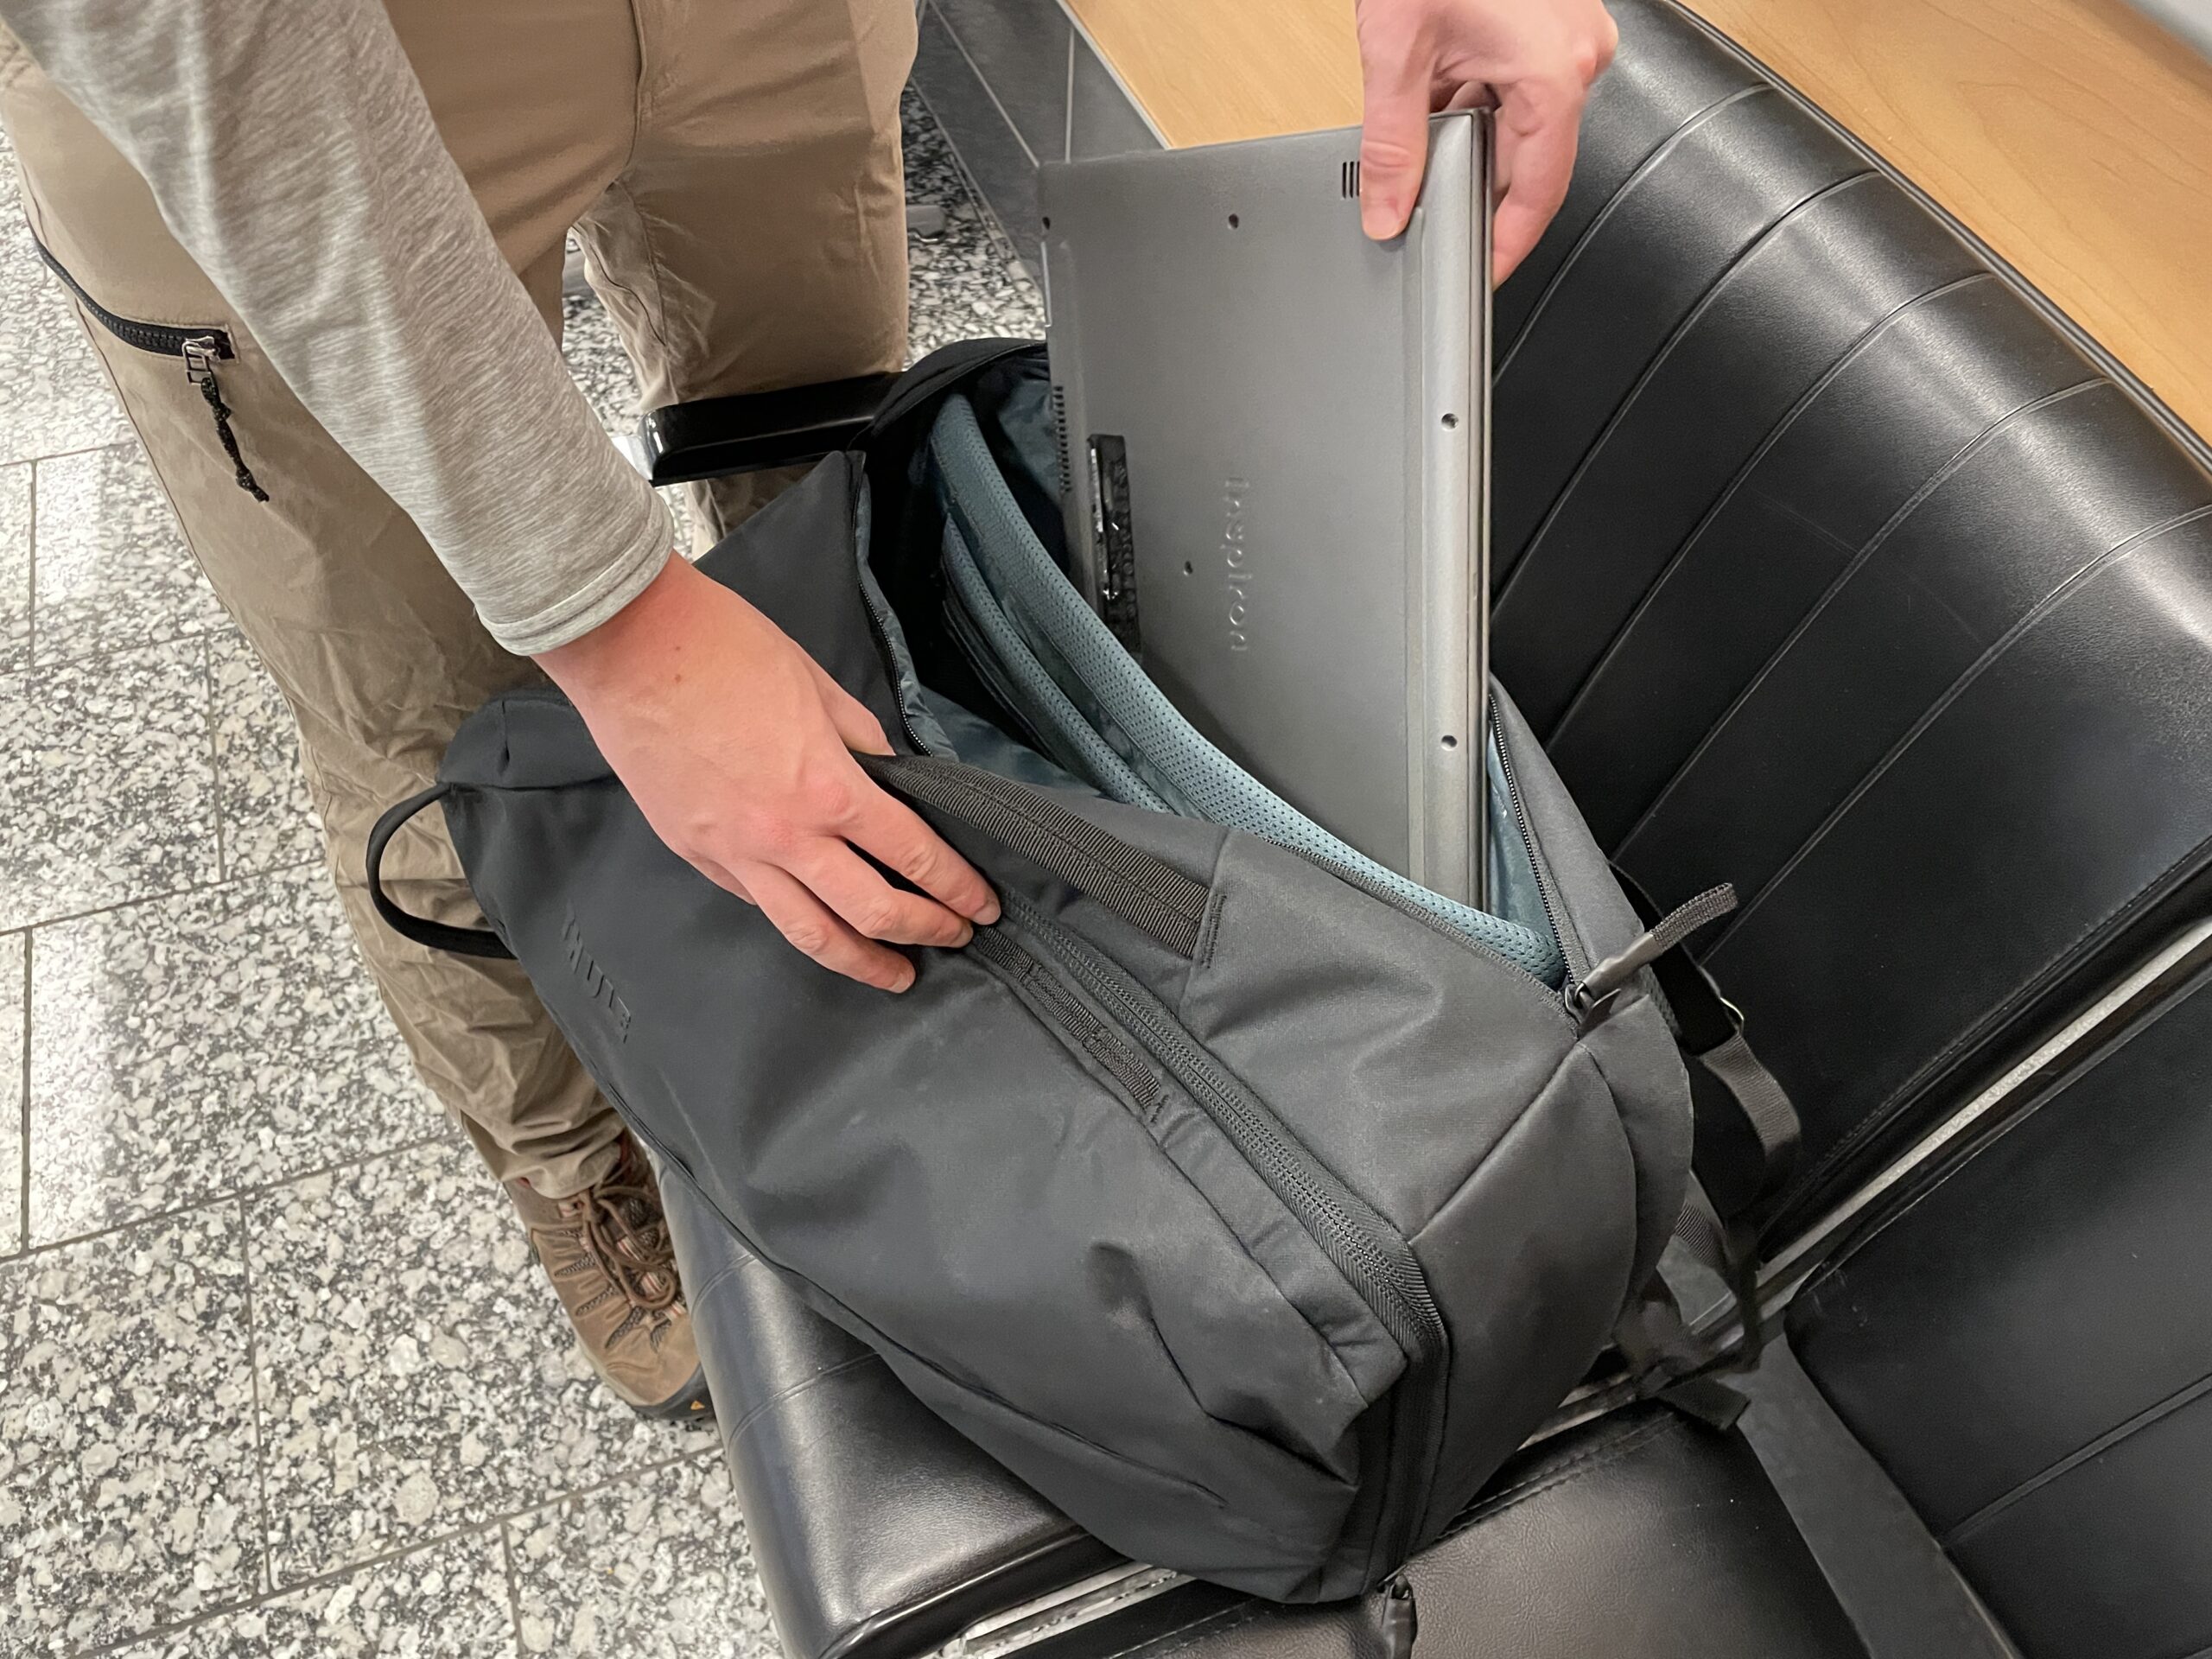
pixel 2075 137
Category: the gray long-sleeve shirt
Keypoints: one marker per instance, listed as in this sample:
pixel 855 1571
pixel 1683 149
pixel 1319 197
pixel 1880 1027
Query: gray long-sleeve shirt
pixel 293 155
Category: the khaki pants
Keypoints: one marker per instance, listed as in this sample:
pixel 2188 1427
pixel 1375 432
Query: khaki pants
pixel 733 169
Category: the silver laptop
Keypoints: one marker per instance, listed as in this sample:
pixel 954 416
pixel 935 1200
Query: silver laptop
pixel 1277 449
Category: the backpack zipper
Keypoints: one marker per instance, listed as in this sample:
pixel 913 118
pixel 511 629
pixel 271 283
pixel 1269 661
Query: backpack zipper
pixel 881 630
pixel 1556 1000
pixel 198 349
pixel 1143 889
pixel 1375 1259
pixel 1115 1054
pixel 1569 947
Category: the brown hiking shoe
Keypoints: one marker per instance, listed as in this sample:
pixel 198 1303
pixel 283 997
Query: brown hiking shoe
pixel 607 1249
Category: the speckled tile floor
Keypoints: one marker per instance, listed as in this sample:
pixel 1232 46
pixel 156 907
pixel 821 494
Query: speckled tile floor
pixel 277 1375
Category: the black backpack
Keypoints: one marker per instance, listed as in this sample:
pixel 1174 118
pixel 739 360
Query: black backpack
pixel 1250 1207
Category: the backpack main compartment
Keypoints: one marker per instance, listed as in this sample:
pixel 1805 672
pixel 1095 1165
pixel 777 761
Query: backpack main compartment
pixel 1248 1211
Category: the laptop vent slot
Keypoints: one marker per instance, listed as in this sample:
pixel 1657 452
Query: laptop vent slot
pixel 1352 181
pixel 1060 437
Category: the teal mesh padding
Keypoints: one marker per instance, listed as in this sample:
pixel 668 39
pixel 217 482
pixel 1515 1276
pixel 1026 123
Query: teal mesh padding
pixel 975 740
pixel 1074 742
pixel 1013 591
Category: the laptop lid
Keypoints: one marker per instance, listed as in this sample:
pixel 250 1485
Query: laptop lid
pixel 1275 443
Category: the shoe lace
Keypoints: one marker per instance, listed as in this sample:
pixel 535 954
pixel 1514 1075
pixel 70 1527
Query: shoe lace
pixel 622 1227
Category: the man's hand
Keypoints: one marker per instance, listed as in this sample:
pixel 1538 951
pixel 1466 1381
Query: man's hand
pixel 1533 59
pixel 738 749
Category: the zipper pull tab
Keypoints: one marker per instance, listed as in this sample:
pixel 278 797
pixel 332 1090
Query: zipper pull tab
pixel 200 354
pixel 200 359
pixel 1591 1001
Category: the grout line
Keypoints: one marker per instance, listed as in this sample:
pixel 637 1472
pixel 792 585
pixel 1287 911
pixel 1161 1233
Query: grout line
pixel 30 583
pixel 23 1147
pixel 338 1574
pixel 190 890
pixel 214 756
pixel 254 1380
pixel 258 1189
pixel 986 215
pixel 130 444
pixel 514 1591
pixel 437 1540
pixel 186 633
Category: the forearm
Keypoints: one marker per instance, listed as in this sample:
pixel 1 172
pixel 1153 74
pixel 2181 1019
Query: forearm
pixel 292 154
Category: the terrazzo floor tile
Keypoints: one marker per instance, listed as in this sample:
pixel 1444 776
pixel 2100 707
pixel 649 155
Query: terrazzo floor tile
pixel 112 568
pixel 602 370
pixel 598 364
pixel 656 1568
pixel 57 400
pixel 107 781
pixel 127 1491
pixel 446 1602
pixel 965 282
pixel 13 1001
pixel 183 1048
pixel 416 1375
pixel 268 822
pixel 15 568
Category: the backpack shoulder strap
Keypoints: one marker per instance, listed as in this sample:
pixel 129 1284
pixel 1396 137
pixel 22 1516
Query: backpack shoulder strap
pixel 1710 1030
pixel 940 371
pixel 1745 1162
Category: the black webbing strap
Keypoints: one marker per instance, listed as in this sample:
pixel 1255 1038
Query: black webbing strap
pixel 1710 1029
pixel 1143 890
pixel 438 936
pixel 1763 1107
pixel 1730 1249
pixel 1670 1362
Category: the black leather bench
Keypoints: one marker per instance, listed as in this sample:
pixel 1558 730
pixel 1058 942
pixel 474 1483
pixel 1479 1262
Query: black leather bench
pixel 1832 562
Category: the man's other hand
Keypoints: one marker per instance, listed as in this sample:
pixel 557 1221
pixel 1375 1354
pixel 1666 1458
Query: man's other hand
pixel 739 750
pixel 1533 59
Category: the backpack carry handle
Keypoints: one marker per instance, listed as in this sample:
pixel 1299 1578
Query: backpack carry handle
pixel 1142 888
pixel 438 936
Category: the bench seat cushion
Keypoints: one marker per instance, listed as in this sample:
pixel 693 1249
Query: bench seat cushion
pixel 880 1532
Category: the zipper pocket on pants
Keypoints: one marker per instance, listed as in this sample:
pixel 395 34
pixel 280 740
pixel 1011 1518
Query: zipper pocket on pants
pixel 198 349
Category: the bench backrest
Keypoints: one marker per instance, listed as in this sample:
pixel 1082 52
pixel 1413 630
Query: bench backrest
pixel 1829 564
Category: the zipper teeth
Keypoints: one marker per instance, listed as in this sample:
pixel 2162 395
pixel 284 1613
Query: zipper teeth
pixel 1413 1318
pixel 162 340
pixel 1120 1059
pixel 1142 888
pixel 876 627
pixel 915 396
pixel 1397 1291
pixel 1569 948
pixel 914 744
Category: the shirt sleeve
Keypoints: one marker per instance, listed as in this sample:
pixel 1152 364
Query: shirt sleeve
pixel 292 153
